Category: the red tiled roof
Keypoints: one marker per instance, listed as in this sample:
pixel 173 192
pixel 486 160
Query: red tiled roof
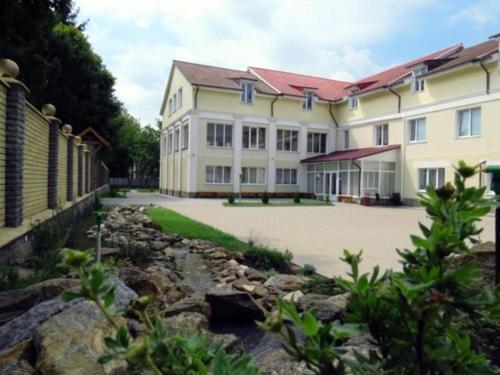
pixel 350 154
pixel 294 84
pixel 212 76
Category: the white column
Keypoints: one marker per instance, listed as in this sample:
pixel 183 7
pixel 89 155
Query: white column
pixel 237 147
pixel 193 153
pixel 179 155
pixel 271 165
pixel 303 155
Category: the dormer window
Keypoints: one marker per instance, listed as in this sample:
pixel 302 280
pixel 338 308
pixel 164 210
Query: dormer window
pixel 247 92
pixel 352 102
pixel 419 83
pixel 307 102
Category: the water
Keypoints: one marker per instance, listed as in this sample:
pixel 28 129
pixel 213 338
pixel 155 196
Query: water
pixel 194 271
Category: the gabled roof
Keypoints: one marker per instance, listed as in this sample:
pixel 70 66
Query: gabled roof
pixel 294 84
pixel 355 154
pixel 90 135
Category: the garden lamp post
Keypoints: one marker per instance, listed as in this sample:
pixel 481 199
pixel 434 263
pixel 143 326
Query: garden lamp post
pixel 495 175
pixel 100 216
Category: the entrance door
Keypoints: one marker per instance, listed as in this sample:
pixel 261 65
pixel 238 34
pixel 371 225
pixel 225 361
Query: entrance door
pixel 331 185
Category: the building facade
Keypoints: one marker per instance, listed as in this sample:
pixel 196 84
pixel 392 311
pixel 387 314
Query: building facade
pixel 396 132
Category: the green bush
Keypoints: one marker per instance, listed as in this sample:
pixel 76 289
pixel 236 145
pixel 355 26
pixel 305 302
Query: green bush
pixel 230 198
pixel 296 198
pixel 265 198
pixel 8 277
pixel 308 269
pixel 265 259
pixel 327 198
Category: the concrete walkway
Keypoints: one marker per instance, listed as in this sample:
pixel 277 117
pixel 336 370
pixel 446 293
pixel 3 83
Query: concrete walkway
pixel 315 235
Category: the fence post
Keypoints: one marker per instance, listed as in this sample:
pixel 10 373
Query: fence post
pixel 49 112
pixel 14 145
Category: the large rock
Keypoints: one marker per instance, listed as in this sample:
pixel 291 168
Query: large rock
pixel 233 305
pixel 16 302
pixel 230 343
pixel 17 367
pixel 72 342
pixel 193 303
pixel 285 283
pixel 16 360
pixel 278 362
pixel 327 308
pixel 186 322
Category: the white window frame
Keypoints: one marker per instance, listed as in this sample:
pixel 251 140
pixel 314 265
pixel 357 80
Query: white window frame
pixel 185 137
pixel 225 171
pixel 308 100
pixel 412 122
pixel 317 136
pixel 384 135
pixel 352 102
pixel 170 142
pixel 287 134
pixel 438 170
pixel 469 135
pixel 224 135
pixel 247 172
pixel 281 180
pixel 174 102
pixel 251 130
pixel 170 110
pixel 179 98
pixel 418 84
pixel 177 134
pixel 346 139
pixel 247 92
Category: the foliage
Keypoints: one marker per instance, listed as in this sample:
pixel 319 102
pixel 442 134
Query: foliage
pixel 327 198
pixel 308 269
pixel 115 192
pixel 296 198
pixel 155 350
pixel 230 198
pixel 263 258
pixel 288 256
pixel 8 276
pixel 265 198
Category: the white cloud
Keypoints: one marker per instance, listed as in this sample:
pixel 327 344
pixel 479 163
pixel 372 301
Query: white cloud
pixel 139 39
pixel 479 13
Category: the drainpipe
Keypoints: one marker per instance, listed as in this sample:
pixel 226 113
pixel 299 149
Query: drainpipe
pixel 481 62
pixel 359 182
pixel 398 96
pixel 196 97
pixel 333 116
pixel 274 101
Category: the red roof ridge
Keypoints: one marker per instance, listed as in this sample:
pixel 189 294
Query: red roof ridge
pixel 298 74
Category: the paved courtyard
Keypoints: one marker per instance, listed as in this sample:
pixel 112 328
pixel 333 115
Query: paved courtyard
pixel 315 235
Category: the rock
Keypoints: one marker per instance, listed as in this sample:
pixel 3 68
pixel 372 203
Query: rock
pixel 362 344
pixel 253 275
pixel 72 342
pixel 22 351
pixel 327 308
pixel 16 302
pixel 143 284
pixel 247 288
pixel 259 291
pixel 185 322
pixel 293 296
pixel 158 245
pixel 229 342
pixel 278 362
pixel 233 305
pixel 286 283
pixel 109 251
pixel 232 263
pixel 17 367
pixel 190 304
pixel 219 254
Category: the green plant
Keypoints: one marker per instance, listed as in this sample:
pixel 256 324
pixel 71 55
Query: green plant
pixel 322 285
pixel 296 197
pixel 265 198
pixel 230 198
pixel 308 269
pixel 9 276
pixel 265 259
pixel 155 350
pixel 327 198
pixel 288 256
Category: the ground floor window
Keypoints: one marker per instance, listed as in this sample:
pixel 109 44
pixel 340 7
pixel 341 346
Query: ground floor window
pixel 430 177
pixel 217 174
pixel 286 176
pixel 253 175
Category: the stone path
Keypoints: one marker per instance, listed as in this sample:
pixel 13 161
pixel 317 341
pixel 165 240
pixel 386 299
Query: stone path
pixel 315 235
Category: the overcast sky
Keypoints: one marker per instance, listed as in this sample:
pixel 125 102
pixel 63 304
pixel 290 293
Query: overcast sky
pixel 344 39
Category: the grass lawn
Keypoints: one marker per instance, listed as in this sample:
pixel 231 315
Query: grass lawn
pixel 147 190
pixel 115 193
pixel 277 202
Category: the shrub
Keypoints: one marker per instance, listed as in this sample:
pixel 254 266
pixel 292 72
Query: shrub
pixel 265 198
pixel 230 198
pixel 265 259
pixel 288 256
pixel 327 199
pixel 155 351
pixel 8 277
pixel 308 269
pixel 296 197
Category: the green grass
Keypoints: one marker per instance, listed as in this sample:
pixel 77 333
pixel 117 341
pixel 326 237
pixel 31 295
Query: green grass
pixel 147 190
pixel 277 203
pixel 115 193
pixel 258 256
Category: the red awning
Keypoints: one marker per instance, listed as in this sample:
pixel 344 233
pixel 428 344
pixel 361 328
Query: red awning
pixel 350 154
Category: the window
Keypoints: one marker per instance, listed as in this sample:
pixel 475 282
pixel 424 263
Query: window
pixel 287 140
pixel 430 177
pixel 316 143
pixel 170 106
pixel 307 102
pixel 253 176
pixel 170 142
pixel 254 138
pixel 219 135
pixel 286 176
pixel 185 137
pixel 179 98
pixel 419 83
pixel 469 122
pixel 163 145
pixel 418 130
pixel 247 92
pixel 346 139
pixel 174 102
pixel 217 174
pixel 352 102
pixel 382 135
pixel 176 140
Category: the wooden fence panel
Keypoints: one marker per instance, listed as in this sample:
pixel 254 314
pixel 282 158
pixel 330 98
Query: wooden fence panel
pixel 62 171
pixel 3 105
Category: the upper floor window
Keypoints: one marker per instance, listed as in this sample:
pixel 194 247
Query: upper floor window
pixel 419 83
pixel 217 174
pixel 254 138
pixel 307 102
pixel 185 136
pixel 176 140
pixel 430 177
pixel 352 102
pixel 287 140
pixel 469 122
pixel 316 143
pixel 346 140
pixel 170 145
pixel 170 109
pixel 174 102
pixel 219 135
pixel 247 92
pixel 418 130
pixel 179 98
pixel 286 176
pixel 163 145
pixel 253 175
pixel 382 135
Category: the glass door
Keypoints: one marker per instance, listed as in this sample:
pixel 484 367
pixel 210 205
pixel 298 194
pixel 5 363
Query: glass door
pixel 333 186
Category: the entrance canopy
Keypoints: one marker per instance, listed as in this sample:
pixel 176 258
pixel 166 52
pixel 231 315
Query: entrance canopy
pixel 355 154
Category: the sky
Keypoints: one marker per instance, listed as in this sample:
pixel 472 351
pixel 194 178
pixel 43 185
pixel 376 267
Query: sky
pixel 339 39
